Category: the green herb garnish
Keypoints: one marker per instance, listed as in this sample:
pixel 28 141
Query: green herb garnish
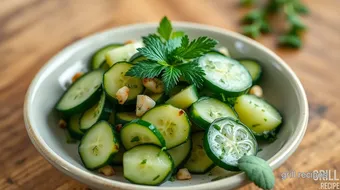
pixel 135 139
pixel 171 55
pixel 258 171
pixel 144 161
pixel 256 21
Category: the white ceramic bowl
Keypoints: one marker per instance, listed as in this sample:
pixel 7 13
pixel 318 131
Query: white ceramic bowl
pixel 281 88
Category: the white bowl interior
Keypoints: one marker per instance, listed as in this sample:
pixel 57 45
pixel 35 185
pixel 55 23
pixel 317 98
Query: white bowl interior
pixel 281 89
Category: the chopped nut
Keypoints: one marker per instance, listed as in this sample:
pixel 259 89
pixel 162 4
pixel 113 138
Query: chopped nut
pixel 183 174
pixel 119 127
pixel 129 42
pixel 122 94
pixel 154 85
pixel 107 170
pixel 77 76
pixel 144 103
pixel 256 90
pixel 62 124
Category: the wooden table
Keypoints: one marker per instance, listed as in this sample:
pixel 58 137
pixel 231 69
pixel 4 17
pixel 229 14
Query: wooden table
pixel 31 31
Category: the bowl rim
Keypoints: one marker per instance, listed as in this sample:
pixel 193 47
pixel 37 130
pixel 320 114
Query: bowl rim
pixel 95 180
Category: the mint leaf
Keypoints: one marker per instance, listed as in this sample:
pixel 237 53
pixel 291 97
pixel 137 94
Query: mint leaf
pixel 192 72
pixel 195 48
pixel 257 171
pixel 154 49
pixel 165 28
pixel 146 69
pixel 170 77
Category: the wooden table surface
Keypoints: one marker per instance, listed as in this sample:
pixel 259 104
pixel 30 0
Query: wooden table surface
pixel 31 31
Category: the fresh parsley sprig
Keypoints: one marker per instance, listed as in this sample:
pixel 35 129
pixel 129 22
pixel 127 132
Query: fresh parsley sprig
pixel 256 21
pixel 171 55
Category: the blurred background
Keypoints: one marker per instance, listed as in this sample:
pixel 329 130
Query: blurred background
pixel 32 31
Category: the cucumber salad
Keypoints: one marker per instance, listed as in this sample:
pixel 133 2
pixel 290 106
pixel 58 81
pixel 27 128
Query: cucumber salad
pixel 167 106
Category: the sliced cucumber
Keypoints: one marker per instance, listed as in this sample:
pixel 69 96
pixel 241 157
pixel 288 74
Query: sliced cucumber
pixel 98 146
pixel 184 98
pixel 115 78
pixel 74 127
pixel 173 123
pixel 100 111
pixel 227 140
pixel 257 114
pixel 178 88
pixel 136 58
pixel 125 117
pixel 158 98
pixel 123 53
pixel 206 110
pixel 225 75
pixel 140 132
pixel 147 165
pixel 253 67
pixel 98 58
pixel 198 162
pixel 82 94
pixel 181 153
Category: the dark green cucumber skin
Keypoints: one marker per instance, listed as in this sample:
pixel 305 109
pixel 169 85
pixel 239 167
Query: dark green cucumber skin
pixel 117 159
pixel 74 134
pixel 104 115
pixel 258 78
pixel 218 90
pixel 109 160
pixel 126 108
pixel 93 66
pixel 114 100
pixel 200 122
pixel 162 99
pixel 150 127
pixel 91 101
pixel 214 158
pixel 169 174
pixel 214 51
pixel 185 159
pixel 136 58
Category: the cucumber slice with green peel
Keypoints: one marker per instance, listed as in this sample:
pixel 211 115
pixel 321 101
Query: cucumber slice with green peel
pixel 225 75
pixel 257 114
pixel 82 94
pixel 115 78
pixel 100 111
pixel 206 110
pixel 198 162
pixel 136 58
pixel 98 58
pixel 97 147
pixel 112 118
pixel 125 117
pixel 173 123
pixel 73 127
pixel 227 140
pixel 140 132
pixel 147 165
pixel 184 98
pixel 117 159
pixel 195 128
pixel 123 53
pixel 180 153
pixel 253 67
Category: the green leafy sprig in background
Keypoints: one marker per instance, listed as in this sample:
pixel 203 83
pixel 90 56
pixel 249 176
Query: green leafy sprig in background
pixel 256 21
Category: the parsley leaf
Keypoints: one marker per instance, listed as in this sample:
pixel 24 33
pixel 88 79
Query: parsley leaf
pixel 170 77
pixel 195 48
pixel 146 69
pixel 257 171
pixel 192 73
pixel 154 49
pixel 165 28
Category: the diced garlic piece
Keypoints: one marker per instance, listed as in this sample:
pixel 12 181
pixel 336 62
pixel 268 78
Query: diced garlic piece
pixel 144 103
pixel 107 170
pixel 154 85
pixel 183 174
pixel 122 94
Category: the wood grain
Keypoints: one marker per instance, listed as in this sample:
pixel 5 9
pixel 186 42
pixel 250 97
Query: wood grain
pixel 31 31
